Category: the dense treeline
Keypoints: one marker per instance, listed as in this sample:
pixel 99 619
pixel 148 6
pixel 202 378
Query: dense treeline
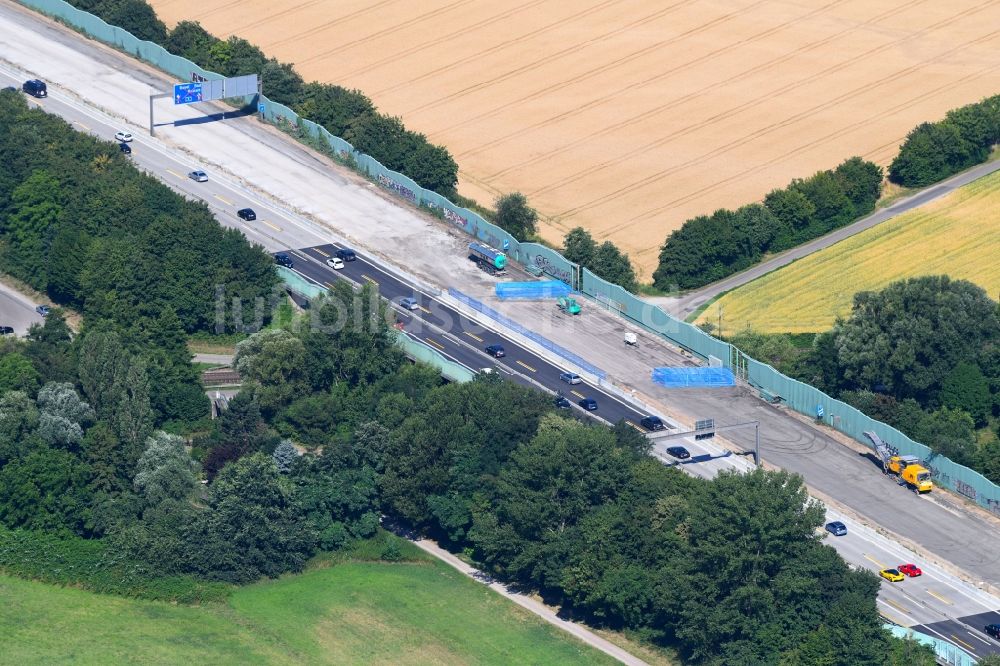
pixel 348 114
pixel 922 355
pixel 729 571
pixel 710 247
pixel 84 226
pixel 934 151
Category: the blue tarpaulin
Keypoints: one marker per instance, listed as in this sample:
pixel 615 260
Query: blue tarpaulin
pixel 536 290
pixel 693 377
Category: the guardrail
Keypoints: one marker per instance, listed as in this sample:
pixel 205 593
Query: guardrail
pixel 538 258
pixel 946 652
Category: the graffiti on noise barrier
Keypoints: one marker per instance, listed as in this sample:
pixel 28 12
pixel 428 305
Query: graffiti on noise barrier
pixel 450 216
pixel 401 190
pixel 548 267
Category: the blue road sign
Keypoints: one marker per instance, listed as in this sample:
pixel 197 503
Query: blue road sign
pixel 506 244
pixel 819 411
pixel 187 93
pixel 261 108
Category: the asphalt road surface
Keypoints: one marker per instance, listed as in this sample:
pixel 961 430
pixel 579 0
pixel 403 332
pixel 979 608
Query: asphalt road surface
pixel 17 311
pixel 962 538
pixel 682 306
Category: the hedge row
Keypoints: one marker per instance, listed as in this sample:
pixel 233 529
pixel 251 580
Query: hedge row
pixel 710 247
pixel 96 566
pixel 934 151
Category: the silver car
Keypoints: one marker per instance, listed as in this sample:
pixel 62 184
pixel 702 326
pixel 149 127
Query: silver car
pixel 199 176
pixel 570 378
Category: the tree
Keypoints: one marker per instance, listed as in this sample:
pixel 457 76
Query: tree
pixel 792 208
pixel 62 415
pixel 165 470
pixel 284 456
pixel 17 373
pixel 18 421
pixel 515 216
pixel 332 106
pixel 613 265
pixel 35 207
pixel 252 525
pixel 906 339
pixel 579 247
pixel 273 361
pixel 861 181
pixel 966 388
pixel 931 152
pixel 950 432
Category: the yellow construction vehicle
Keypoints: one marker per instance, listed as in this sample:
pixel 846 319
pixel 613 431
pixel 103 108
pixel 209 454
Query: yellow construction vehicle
pixel 907 469
pixel 910 471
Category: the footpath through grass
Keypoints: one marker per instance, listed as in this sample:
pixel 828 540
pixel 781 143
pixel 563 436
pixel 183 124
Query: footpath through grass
pixel 348 612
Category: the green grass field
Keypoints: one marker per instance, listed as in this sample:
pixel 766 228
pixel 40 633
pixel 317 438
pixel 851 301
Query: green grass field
pixel 957 235
pixel 351 612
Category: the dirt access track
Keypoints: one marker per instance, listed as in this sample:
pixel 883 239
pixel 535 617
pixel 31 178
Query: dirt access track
pixel 630 116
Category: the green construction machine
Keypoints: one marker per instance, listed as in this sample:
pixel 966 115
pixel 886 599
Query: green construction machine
pixel 568 305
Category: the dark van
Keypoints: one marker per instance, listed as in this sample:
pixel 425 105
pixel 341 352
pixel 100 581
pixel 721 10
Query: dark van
pixel 652 423
pixel 35 88
pixel 283 259
pixel 347 254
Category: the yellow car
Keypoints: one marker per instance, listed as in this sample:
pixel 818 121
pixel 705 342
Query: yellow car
pixel 891 575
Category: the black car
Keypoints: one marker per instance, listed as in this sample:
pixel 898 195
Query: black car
pixel 836 528
pixel 589 404
pixel 283 259
pixel 347 254
pixel 496 351
pixel 125 148
pixel 35 88
pixel 6 330
pixel 679 452
pixel 652 423
pixel 993 630
pixel 246 214
pixel 561 402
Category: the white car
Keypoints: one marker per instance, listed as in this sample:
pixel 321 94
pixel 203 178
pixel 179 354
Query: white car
pixel 199 176
pixel 336 263
pixel 124 137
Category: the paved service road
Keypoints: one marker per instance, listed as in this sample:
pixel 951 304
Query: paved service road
pixel 825 463
pixel 683 306
pixel 17 311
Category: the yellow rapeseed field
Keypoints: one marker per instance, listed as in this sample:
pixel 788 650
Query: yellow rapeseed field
pixel 959 235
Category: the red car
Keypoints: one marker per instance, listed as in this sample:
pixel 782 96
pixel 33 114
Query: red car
pixel 911 570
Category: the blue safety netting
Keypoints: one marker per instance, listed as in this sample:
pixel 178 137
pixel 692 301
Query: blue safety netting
pixel 693 377
pixel 533 291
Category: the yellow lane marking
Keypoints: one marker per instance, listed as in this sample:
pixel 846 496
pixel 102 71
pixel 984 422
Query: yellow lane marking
pixel 174 173
pixel 228 203
pixel 435 343
pixel 894 620
pixel 963 642
pixel 577 394
pixel 872 559
pixel 424 309
pixel 896 605
pixel 370 279
pixel 473 336
pixel 634 425
pixel 939 597
pixel 273 226
pixel 525 365
pixel 81 125
pixel 319 251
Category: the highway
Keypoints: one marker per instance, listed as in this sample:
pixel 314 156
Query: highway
pixel 278 227
pixel 17 310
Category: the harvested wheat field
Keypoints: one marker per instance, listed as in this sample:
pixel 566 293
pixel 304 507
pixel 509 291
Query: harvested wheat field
pixel 958 235
pixel 629 116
